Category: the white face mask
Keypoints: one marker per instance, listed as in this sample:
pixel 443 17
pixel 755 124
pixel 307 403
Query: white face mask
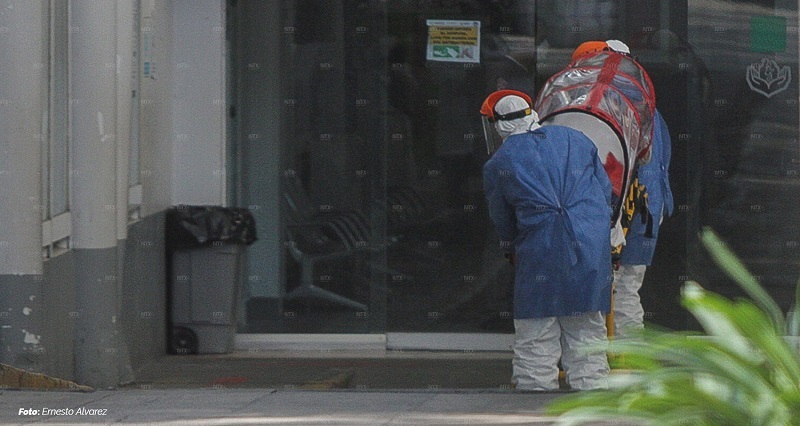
pixel 520 125
pixel 498 131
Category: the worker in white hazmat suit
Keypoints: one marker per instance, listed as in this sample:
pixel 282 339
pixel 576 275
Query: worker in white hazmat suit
pixel 549 198
pixel 638 252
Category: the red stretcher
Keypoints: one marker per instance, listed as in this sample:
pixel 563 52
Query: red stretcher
pixel 609 97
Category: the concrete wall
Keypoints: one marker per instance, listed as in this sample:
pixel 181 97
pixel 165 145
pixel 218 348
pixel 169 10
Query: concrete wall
pixel 96 312
pixel 155 113
pixel 143 313
pixel 23 114
pixel 60 316
pixel 198 149
pixel 144 309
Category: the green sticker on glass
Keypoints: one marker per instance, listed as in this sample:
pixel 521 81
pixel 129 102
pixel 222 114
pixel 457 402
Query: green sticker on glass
pixel 768 34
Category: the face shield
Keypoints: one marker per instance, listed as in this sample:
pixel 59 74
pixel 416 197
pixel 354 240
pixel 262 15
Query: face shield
pixel 510 115
pixel 490 134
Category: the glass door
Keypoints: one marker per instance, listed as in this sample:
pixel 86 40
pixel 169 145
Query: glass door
pixel 444 58
pixel 361 151
pixel 744 98
pixel 312 113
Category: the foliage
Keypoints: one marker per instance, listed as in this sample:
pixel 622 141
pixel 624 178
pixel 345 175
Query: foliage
pixel 742 372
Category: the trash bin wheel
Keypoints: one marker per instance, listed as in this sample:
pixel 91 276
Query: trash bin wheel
pixel 183 341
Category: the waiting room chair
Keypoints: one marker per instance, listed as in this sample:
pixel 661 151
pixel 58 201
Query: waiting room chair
pixel 316 236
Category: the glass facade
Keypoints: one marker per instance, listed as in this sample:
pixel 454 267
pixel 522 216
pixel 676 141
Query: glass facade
pixel 382 215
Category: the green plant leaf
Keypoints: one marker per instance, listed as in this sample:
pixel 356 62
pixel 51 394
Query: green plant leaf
pixel 716 316
pixel 780 358
pixel 744 328
pixel 742 372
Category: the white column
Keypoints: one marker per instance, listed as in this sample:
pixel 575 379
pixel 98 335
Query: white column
pixel 100 350
pixel 125 64
pixel 94 118
pixel 23 114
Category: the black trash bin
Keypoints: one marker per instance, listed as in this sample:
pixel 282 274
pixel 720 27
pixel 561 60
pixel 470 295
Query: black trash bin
pixel 205 245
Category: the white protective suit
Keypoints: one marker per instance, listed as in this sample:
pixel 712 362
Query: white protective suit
pixel 539 343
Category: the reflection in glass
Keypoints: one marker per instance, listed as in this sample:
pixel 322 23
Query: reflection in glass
pixel 381 150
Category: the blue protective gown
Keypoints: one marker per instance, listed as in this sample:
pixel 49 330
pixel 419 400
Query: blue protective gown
pixel 639 247
pixel 547 192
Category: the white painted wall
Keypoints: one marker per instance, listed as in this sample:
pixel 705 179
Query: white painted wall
pixel 155 108
pixel 182 111
pixel 198 98
pixel 23 103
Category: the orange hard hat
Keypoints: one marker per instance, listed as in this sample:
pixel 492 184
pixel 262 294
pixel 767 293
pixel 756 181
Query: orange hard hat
pixel 487 109
pixel 589 47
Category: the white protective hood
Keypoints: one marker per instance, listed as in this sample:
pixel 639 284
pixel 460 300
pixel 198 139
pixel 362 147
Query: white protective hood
pixel 511 104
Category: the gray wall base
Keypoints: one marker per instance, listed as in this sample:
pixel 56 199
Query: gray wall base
pixel 22 328
pixel 144 291
pixel 98 335
pixel 83 320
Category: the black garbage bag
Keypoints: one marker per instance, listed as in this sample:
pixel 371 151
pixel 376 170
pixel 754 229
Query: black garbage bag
pixel 200 226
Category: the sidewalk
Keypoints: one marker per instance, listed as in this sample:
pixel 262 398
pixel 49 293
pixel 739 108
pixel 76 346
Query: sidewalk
pixel 224 406
pixel 287 388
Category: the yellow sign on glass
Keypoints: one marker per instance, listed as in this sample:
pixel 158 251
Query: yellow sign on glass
pixel 454 41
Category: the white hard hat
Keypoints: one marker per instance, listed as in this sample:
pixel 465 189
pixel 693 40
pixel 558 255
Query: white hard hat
pixel 618 46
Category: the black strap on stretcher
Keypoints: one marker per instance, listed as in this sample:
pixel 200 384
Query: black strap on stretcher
pixel 635 201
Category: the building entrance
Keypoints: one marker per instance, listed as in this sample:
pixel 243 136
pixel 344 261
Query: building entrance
pixel 358 147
